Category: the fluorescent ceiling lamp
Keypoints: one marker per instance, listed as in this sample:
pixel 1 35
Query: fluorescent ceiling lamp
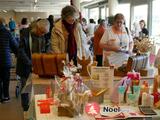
pixel 35 1
pixel 4 11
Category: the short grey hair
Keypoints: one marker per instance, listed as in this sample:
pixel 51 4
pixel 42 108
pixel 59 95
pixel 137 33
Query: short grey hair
pixel 68 11
pixel 43 24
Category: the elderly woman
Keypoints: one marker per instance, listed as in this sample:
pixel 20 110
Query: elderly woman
pixel 65 36
pixel 116 42
pixel 24 62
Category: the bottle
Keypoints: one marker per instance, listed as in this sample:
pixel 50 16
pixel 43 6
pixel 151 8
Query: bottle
pixel 136 90
pixel 128 94
pixel 121 91
pixel 144 99
pixel 151 89
pixel 151 100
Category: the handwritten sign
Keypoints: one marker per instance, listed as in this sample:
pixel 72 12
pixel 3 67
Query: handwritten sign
pixel 103 77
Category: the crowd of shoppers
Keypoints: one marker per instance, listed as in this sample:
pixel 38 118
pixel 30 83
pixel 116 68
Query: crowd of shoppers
pixel 112 44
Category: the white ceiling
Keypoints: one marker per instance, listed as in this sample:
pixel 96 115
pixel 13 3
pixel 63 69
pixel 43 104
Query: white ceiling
pixel 53 6
pixel 50 6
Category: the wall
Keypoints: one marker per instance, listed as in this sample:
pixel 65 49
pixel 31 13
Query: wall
pixel 7 15
pixel 17 16
pixel 30 15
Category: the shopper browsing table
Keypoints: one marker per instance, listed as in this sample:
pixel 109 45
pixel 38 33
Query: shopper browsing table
pixel 116 42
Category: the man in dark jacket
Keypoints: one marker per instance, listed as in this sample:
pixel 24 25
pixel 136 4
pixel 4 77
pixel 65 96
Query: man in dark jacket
pixel 7 43
pixel 24 63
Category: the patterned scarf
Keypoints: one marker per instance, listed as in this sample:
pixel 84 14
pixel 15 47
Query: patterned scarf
pixel 72 46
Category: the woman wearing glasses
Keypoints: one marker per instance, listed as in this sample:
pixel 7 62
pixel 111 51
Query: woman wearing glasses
pixel 65 37
pixel 116 42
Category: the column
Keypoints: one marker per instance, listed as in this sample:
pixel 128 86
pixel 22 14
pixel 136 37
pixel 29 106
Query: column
pixel 76 3
pixel 149 21
pixel 112 4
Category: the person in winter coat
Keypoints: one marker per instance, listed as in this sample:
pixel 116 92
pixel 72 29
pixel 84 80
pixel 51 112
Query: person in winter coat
pixel 7 44
pixel 65 37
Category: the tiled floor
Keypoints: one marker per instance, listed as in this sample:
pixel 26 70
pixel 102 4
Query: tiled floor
pixel 11 110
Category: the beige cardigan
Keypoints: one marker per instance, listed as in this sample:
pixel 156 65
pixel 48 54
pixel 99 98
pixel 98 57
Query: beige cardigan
pixel 59 39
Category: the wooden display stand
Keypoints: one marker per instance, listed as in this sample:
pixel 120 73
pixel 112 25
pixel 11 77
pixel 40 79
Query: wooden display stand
pixel 59 59
pixel 37 64
pixel 84 62
pixel 48 65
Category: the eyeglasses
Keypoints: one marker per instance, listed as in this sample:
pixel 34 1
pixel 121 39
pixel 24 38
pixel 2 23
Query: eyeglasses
pixel 41 31
pixel 119 22
pixel 70 19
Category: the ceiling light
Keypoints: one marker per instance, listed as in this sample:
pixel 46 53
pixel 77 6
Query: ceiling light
pixel 35 1
pixel 4 11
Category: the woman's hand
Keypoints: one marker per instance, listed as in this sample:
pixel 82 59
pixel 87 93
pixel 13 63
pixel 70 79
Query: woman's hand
pixel 110 46
pixel 115 48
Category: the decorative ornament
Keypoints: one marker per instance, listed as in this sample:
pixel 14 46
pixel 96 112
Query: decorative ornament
pixel 144 45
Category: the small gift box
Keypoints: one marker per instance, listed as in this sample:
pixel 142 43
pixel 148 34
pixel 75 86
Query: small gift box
pixel 67 109
pixel 135 79
pixel 45 105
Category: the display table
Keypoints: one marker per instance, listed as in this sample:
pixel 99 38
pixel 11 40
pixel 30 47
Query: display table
pixel 53 114
pixel 36 80
pixel 39 86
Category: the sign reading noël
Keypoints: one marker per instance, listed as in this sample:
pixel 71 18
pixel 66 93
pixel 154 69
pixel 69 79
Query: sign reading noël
pixel 111 109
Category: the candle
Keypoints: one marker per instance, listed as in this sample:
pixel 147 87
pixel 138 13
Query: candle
pixel 151 100
pixel 144 98
pixel 121 90
pixel 150 89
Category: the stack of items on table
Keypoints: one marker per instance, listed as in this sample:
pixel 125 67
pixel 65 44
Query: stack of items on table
pixel 140 61
pixel 73 93
pixel 69 93
pixel 129 91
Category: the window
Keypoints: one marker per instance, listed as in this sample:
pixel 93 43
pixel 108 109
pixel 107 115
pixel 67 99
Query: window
pixel 102 11
pixel 156 18
pixel 94 13
pixel 140 12
pixel 84 13
pixel 125 10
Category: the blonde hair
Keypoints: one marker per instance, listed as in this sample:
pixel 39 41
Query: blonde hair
pixel 41 24
pixel 119 16
pixel 68 11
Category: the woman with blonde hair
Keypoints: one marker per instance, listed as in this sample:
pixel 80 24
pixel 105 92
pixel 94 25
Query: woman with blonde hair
pixel 116 42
